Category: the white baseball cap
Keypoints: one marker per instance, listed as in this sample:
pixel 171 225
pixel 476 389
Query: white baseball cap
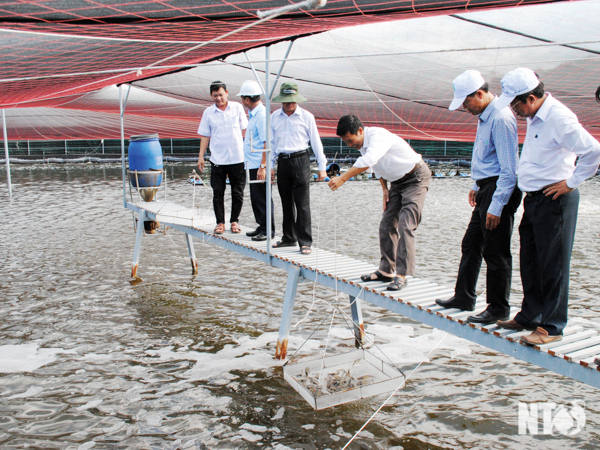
pixel 516 82
pixel 465 84
pixel 250 88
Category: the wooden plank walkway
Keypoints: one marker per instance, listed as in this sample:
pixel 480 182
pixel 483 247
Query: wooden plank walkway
pixel 573 356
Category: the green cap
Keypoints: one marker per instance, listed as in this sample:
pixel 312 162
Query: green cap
pixel 289 94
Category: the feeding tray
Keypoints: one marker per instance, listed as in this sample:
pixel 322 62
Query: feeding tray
pixel 343 378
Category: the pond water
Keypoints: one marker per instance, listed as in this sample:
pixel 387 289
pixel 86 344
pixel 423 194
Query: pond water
pixel 89 360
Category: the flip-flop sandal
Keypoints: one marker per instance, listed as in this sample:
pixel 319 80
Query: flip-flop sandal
pixel 220 228
pixel 378 277
pixel 235 227
pixel 397 284
pixel 306 250
pixel 284 244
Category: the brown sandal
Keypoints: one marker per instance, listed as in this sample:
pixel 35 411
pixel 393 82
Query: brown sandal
pixel 235 227
pixel 220 228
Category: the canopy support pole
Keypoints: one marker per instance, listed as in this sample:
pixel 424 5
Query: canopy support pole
pixel 6 154
pixel 255 74
pixel 122 105
pixel 287 53
pixel 268 156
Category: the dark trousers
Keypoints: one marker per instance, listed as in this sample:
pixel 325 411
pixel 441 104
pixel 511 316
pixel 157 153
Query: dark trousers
pixel 547 233
pixel 293 182
pixel 258 198
pixel 493 246
pixel 218 182
pixel 400 220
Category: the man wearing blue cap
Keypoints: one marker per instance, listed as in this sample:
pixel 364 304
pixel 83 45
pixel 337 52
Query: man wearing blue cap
pixel 558 155
pixel 495 199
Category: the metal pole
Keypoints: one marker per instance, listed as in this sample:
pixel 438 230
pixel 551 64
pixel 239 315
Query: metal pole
pixel 28 151
pixel 103 146
pixel 171 146
pixel 6 154
pixel 123 149
pixel 65 146
pixel 268 175
pixel 281 67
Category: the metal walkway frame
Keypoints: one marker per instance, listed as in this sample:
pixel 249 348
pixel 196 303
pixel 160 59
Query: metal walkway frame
pixel 572 357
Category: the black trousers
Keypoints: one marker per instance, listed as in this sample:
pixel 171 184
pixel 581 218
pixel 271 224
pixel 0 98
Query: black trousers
pixel 493 246
pixel 258 198
pixel 293 182
pixel 547 233
pixel 218 182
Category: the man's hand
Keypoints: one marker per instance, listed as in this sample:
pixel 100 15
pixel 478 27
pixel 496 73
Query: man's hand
pixel 491 221
pixel 201 165
pixel 261 173
pixel 322 175
pixel 557 189
pixel 472 198
pixel 386 198
pixel 272 175
pixel 335 183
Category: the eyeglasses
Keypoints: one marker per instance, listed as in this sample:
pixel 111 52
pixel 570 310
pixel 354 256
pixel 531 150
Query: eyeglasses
pixel 515 103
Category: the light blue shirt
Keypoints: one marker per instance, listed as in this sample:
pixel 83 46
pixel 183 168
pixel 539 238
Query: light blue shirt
pixel 258 132
pixel 495 153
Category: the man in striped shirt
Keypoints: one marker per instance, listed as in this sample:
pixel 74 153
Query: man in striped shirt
pixel 494 197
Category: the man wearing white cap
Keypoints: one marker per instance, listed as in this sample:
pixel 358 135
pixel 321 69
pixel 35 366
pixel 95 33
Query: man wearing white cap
pixel 548 175
pixel 495 199
pixel 255 157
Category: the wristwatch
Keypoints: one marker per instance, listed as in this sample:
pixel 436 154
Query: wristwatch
pixel 262 166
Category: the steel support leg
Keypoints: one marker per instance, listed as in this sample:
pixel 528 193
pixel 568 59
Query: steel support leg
pixel 190 246
pixel 288 310
pixel 138 243
pixel 359 327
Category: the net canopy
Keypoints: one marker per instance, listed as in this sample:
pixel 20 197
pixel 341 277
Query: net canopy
pixel 62 60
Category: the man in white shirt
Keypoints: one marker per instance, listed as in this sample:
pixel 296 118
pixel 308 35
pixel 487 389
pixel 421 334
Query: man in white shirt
pixel 393 161
pixel 293 129
pixel 222 125
pixel 549 177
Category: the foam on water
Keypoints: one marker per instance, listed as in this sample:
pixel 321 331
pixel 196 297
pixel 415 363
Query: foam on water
pixel 26 357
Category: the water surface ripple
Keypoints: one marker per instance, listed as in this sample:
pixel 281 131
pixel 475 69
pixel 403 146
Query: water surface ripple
pixel 88 360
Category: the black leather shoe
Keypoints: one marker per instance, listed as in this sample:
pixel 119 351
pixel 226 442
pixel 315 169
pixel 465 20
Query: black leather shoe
pixel 259 237
pixel 486 318
pixel 253 233
pixel 453 303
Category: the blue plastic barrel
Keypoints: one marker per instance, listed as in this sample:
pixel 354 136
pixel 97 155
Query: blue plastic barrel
pixel 145 154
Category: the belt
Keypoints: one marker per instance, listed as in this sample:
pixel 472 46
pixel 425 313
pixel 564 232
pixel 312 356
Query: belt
pixel 531 194
pixel 293 155
pixel 485 181
pixel 409 174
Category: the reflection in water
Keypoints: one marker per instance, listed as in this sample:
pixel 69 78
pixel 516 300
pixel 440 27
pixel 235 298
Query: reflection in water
pixel 88 359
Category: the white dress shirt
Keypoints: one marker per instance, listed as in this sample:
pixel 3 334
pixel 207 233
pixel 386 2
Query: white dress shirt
pixel 224 128
pixel 554 140
pixel 294 132
pixel 388 155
